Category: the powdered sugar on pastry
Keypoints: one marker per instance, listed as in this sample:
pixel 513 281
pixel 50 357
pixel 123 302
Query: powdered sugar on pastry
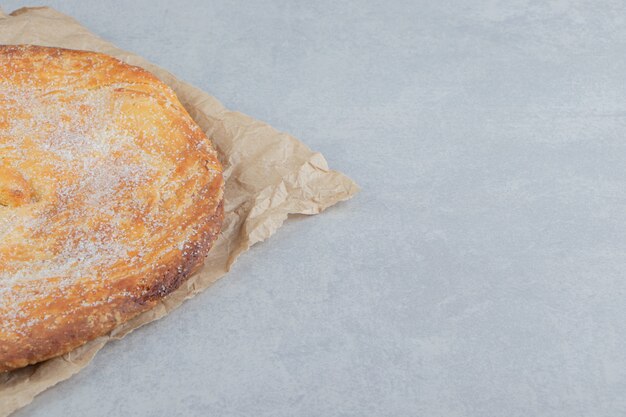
pixel 112 197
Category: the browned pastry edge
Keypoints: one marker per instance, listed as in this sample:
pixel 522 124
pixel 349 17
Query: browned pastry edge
pixel 46 344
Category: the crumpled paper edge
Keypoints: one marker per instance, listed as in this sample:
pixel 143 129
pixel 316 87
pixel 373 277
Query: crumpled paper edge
pixel 304 185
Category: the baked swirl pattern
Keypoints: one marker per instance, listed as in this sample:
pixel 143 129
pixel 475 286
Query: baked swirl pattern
pixel 110 196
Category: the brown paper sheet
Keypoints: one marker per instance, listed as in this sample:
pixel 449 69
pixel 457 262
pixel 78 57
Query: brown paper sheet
pixel 269 175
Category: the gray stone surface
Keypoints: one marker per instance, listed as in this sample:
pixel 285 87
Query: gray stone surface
pixel 481 270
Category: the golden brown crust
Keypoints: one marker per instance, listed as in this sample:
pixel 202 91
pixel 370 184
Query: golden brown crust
pixel 110 197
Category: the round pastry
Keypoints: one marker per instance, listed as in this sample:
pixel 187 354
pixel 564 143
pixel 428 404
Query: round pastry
pixel 110 197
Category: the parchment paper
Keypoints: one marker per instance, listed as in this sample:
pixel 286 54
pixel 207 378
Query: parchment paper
pixel 268 174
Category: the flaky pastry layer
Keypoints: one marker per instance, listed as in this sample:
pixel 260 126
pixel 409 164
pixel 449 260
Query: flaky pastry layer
pixel 110 197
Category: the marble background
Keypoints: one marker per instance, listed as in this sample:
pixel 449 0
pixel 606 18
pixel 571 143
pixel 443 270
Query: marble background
pixel 480 272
